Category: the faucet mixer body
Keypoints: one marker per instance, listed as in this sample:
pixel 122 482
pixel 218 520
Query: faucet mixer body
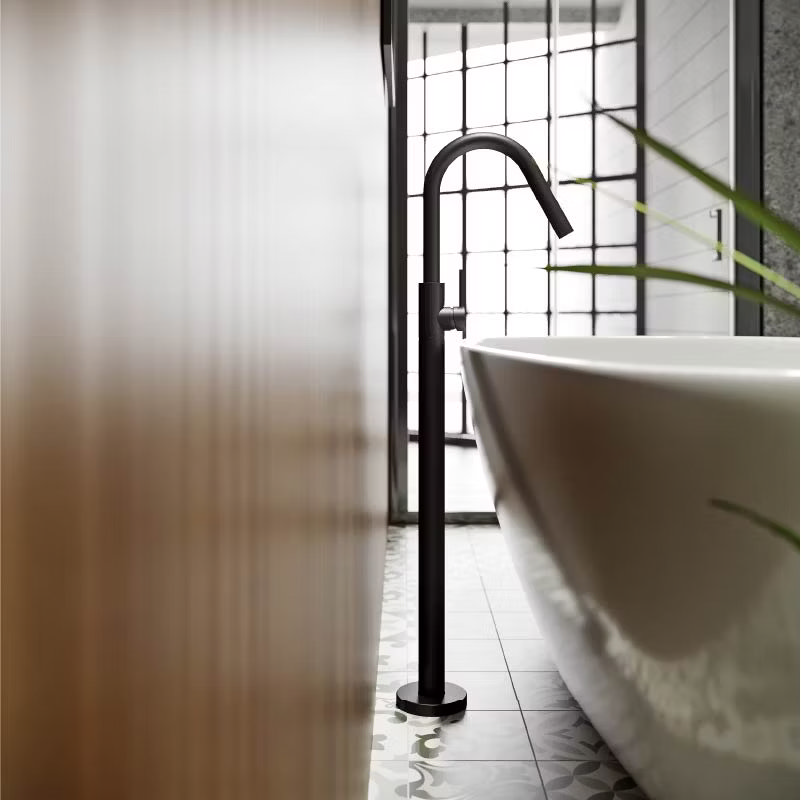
pixel 431 695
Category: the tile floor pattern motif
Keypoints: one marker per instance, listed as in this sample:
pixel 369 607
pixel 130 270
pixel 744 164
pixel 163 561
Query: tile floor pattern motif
pixel 524 736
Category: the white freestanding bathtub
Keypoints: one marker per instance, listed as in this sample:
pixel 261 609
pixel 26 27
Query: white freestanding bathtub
pixel 674 623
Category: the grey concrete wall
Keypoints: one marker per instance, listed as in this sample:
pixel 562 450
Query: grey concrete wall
pixel 780 87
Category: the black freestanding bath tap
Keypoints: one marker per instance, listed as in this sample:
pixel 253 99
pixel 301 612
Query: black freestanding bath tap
pixel 431 696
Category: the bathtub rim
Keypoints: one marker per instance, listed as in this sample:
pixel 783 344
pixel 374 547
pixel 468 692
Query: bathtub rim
pixel 490 346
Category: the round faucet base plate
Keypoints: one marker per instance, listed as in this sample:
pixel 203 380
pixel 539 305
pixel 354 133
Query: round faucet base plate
pixel 409 699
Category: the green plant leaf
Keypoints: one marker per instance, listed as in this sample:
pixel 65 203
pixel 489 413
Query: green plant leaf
pixel 666 274
pixel 776 528
pixel 748 207
pixel 740 258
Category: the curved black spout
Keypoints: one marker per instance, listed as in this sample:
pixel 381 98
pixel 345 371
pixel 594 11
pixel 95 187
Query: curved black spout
pixel 452 151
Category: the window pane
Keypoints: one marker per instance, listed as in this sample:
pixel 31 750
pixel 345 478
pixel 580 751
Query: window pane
pixel 485 43
pixel 412 393
pixel 573 325
pixel 486 168
pixel 527 281
pixel 527 325
pixel 485 96
pixel 527 90
pixel 574 135
pixel 527 226
pixel 414 226
pixel 444 47
pixel 576 200
pixel 450 214
pixel 571 291
pixel 624 27
pixel 412 355
pixel 615 219
pixel 414 68
pixel 414 275
pixel 452 180
pixel 485 282
pixel 620 256
pixel 415 164
pixel 534 137
pixel 414 112
pixel 615 150
pixel 616 325
pixel 453 362
pixel 616 76
pixel 615 294
pixel 449 268
pixel 574 83
pixel 527 39
pixel 453 403
pixel 444 102
pixel 484 326
pixel 485 221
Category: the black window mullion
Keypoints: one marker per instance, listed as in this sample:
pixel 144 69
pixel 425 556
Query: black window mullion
pixel 593 24
pixel 463 271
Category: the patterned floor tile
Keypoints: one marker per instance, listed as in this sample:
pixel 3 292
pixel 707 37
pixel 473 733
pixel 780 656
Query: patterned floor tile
pixel 475 780
pixel 588 780
pixel 393 656
pixel 474 736
pixel 527 654
pixel 390 737
pixel 486 691
pixel 387 686
pixel 542 691
pixel 565 736
pixel 516 625
pixel 467 655
pixel 389 780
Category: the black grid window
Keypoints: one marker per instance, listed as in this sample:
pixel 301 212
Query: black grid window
pixel 496 70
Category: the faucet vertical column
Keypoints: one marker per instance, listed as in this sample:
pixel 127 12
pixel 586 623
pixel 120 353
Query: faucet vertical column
pixel 431 569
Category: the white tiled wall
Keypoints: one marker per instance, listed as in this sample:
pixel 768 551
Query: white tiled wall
pixel 687 105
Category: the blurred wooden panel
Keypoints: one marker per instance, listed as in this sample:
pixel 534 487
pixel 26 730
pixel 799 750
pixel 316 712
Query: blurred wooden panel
pixel 193 397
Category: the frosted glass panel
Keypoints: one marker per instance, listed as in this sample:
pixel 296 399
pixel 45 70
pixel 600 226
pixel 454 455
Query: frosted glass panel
pixel 575 147
pixel 452 352
pixel 572 291
pixel 414 99
pixel 614 293
pixel 486 168
pixel 412 355
pixel 573 325
pixel 527 325
pixel 444 47
pixel 485 221
pixel 527 281
pixel 413 395
pixel 534 137
pixel 576 200
pixel 615 150
pixel 615 219
pixel 444 102
pixel 415 164
pixel 527 39
pixel 527 92
pixel 485 96
pixel 527 226
pixel 453 404
pixel 574 82
pixel 414 226
pixel 450 216
pixel 452 180
pixel 484 43
pixel 483 326
pixel 485 282
pixel 616 75
pixel 620 256
pixel 414 275
pixel 616 325
pixel 449 268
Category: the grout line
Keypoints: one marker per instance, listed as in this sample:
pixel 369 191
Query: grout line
pixel 514 688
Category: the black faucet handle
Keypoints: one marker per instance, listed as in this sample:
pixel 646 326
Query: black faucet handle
pixel 452 319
